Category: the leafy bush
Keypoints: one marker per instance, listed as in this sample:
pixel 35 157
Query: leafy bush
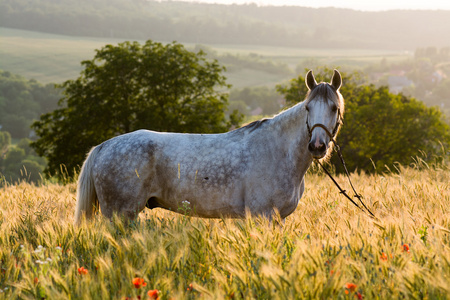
pixel 380 128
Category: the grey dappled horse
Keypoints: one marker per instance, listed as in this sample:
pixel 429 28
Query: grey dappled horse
pixel 258 168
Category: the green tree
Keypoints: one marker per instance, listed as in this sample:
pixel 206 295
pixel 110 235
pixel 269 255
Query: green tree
pixel 11 163
pixel 128 87
pixel 30 171
pixel 14 156
pixel 17 126
pixel 19 163
pixel 380 128
pixel 17 167
pixel 5 142
pixel 25 145
pixel 22 101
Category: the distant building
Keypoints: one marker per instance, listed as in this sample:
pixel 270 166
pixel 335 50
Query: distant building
pixel 397 83
pixel 437 76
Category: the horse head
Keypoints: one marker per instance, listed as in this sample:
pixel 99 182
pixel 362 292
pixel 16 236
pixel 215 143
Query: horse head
pixel 324 106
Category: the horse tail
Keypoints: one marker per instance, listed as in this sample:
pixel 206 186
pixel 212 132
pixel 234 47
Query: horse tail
pixel 87 201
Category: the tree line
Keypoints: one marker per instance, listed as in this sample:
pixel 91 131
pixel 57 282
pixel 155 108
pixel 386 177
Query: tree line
pixel 381 129
pixel 229 24
pixel 165 87
pixel 428 72
pixel 22 101
pixel 19 162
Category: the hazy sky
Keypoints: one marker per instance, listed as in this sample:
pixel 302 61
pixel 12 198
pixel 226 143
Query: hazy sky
pixel 353 4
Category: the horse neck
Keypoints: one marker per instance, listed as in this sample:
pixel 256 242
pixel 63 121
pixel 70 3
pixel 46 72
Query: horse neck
pixel 290 125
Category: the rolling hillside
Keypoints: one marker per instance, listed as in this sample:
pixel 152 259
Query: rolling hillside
pixel 51 58
pixel 230 24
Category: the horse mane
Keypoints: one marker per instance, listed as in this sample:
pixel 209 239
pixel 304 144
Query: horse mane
pixel 253 125
pixel 322 90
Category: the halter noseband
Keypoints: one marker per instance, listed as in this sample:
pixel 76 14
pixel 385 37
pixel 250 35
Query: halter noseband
pixel 330 134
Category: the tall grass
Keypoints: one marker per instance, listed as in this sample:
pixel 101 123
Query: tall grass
pixel 326 249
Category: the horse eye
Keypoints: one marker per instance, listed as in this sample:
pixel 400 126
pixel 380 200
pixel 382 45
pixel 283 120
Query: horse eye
pixel 334 108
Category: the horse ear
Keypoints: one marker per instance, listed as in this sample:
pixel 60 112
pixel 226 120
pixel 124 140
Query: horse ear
pixel 336 81
pixel 310 80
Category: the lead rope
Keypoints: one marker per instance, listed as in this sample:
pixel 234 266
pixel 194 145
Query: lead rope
pixel 342 191
pixel 338 150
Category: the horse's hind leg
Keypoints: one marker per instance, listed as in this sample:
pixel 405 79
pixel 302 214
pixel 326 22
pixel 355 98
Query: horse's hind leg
pixel 126 206
pixel 127 214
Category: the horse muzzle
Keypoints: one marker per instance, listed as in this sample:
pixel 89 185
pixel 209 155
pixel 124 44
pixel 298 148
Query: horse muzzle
pixel 318 148
pixel 317 144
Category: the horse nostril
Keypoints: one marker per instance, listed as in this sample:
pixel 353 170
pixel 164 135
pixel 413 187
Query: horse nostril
pixel 322 148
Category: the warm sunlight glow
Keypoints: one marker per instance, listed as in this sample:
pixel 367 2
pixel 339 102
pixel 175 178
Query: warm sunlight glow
pixel 379 5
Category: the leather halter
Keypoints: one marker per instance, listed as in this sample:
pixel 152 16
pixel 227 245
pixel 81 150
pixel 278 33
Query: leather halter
pixel 330 134
pixel 338 150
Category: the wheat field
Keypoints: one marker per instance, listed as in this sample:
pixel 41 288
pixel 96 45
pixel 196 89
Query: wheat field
pixel 326 249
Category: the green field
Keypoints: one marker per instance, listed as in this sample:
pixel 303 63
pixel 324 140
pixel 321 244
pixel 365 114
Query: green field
pixel 50 58
pixel 47 58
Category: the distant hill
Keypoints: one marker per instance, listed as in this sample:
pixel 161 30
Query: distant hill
pixel 230 24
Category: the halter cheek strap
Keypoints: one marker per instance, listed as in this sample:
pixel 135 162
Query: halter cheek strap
pixel 338 150
pixel 330 134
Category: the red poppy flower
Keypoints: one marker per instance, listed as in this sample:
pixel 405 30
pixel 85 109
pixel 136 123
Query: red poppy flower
pixel 253 236
pixel 139 282
pixel 153 294
pixel 359 296
pixel 82 271
pixel 405 248
pixel 36 280
pixel 384 256
pixel 350 286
